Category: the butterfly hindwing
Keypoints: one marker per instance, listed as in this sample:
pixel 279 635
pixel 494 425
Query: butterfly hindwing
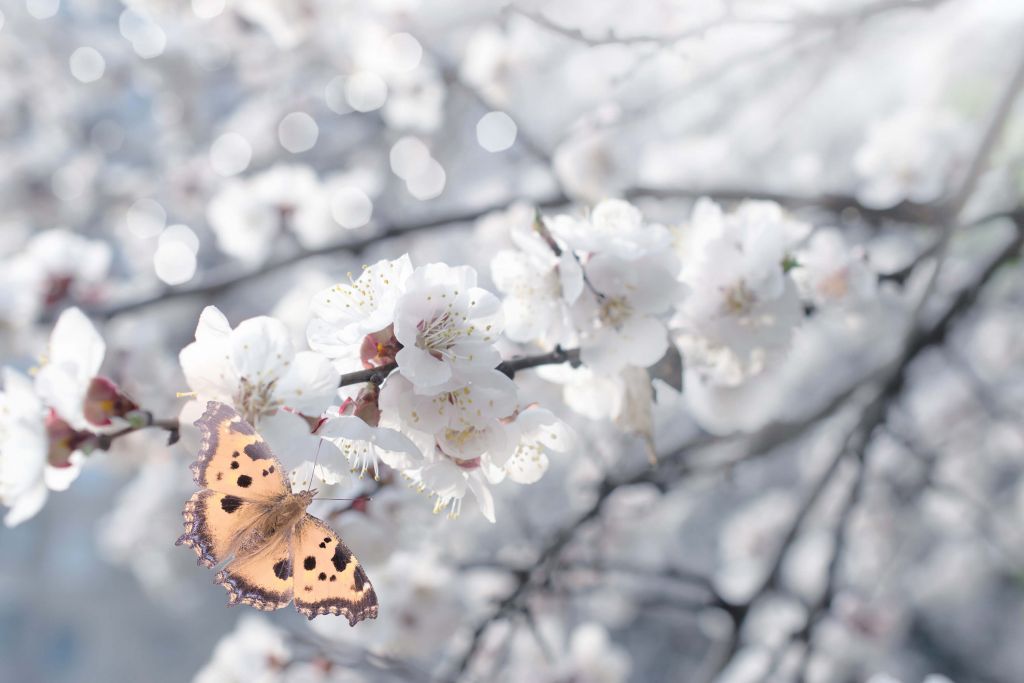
pixel 234 459
pixel 262 580
pixel 328 577
pixel 212 520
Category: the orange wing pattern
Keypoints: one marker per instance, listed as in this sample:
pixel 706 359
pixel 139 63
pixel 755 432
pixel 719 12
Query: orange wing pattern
pixel 213 521
pixel 242 515
pixel 262 580
pixel 234 459
pixel 328 577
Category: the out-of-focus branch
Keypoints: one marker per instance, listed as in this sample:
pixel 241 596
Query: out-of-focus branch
pixel 907 212
pixel 727 18
pixel 234 276
pixel 872 416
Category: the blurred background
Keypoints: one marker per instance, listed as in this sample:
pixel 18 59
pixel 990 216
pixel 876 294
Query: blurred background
pixel 853 515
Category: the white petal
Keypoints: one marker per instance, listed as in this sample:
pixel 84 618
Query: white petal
pixel 212 325
pixel 526 468
pixel 26 505
pixel 261 348
pixel 309 385
pixel 60 478
pixel 484 499
pixel 76 343
pixel 61 389
pixel 208 369
pixel 423 370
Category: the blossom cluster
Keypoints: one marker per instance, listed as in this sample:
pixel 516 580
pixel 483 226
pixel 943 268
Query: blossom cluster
pixel 50 423
pixel 446 418
pixel 726 290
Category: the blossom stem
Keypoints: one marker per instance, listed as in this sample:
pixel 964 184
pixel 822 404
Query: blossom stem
pixel 170 425
pixel 508 367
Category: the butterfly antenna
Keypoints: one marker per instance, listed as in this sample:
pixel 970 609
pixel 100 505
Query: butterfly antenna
pixel 316 459
pixel 356 498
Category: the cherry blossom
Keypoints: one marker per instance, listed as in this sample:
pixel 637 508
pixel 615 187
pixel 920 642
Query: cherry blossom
pixel 830 272
pixel 39 452
pixel 255 367
pixel 69 380
pixel 623 312
pixel 540 433
pixel 23 449
pixel 447 327
pixel 743 306
pixel 909 156
pixel 364 445
pixel 346 313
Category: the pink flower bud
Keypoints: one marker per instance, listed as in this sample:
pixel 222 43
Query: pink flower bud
pixel 104 400
pixel 64 440
pixel 379 348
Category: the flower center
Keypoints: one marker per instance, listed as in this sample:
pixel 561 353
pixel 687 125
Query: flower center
pixel 256 399
pixel 739 299
pixel 615 310
pixel 439 334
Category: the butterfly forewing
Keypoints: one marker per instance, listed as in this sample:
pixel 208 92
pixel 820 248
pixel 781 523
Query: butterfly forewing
pixel 328 577
pixel 212 521
pixel 234 459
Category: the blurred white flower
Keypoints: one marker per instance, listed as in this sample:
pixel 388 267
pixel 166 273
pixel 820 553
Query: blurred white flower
pixel 416 100
pixel 743 307
pixel 910 156
pixel 447 327
pixel 539 285
pixel 68 381
pixel 249 214
pixel 23 449
pixel 614 227
pixel 829 272
pixel 255 651
pixel 622 315
pixel 748 542
pixel 53 266
pixel 255 368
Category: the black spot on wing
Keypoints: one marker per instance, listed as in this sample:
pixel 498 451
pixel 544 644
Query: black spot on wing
pixel 360 578
pixel 235 454
pixel 322 577
pixel 258 451
pixel 283 569
pixel 341 558
pixel 235 465
pixel 220 475
pixel 230 503
pixel 242 427
pixel 244 481
pixel 334 577
pixel 327 539
pixel 309 563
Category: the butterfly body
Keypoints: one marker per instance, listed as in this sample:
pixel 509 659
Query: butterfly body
pixel 246 519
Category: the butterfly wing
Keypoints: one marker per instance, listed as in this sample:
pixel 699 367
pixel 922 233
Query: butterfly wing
pixel 328 577
pixel 235 471
pixel 262 580
pixel 212 522
pixel 234 459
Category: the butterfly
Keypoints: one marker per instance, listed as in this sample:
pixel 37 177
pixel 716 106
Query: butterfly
pixel 246 519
